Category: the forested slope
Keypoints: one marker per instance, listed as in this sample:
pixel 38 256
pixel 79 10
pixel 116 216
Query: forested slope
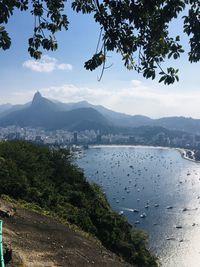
pixel 47 178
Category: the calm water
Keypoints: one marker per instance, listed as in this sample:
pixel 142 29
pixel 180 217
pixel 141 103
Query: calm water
pixel 159 183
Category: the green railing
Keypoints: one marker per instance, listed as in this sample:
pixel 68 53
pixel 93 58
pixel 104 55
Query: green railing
pixel 1 244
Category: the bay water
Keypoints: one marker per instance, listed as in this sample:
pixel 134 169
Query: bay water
pixel 157 191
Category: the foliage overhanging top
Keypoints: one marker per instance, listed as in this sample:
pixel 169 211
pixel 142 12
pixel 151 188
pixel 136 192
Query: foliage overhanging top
pixel 136 29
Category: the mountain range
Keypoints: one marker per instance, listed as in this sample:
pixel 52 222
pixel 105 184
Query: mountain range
pixel 51 114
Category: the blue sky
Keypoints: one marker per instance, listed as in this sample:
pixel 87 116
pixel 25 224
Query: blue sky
pixel 61 74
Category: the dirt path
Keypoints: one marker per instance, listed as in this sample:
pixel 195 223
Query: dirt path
pixel 38 241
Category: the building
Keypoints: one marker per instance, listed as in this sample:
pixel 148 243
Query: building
pixel 75 139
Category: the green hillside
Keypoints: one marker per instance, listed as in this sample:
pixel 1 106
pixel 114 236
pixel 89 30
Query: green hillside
pixel 47 178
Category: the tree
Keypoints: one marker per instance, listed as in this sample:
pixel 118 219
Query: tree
pixel 136 29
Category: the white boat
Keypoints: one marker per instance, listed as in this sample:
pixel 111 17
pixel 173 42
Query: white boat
pixel 143 215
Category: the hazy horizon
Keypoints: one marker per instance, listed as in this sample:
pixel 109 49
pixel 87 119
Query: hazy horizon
pixel 53 97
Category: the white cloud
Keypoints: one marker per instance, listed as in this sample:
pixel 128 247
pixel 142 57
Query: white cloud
pixel 46 64
pixel 135 99
pixel 64 66
pixel 136 83
pixel 72 93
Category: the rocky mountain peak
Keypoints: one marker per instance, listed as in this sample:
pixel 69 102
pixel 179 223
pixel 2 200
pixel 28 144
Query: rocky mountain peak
pixel 37 98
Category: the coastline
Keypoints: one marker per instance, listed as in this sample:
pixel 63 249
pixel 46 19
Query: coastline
pixel 142 146
pixel 182 151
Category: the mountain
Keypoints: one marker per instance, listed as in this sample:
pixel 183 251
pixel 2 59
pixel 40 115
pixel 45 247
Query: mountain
pixel 70 106
pixel 13 108
pixel 180 123
pixel 36 114
pixel 42 105
pixel 81 119
pixel 133 121
pixel 118 119
pixel 51 114
pixel 9 108
pixel 47 114
pixel 5 107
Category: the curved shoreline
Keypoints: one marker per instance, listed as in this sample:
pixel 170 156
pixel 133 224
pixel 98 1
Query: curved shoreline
pixel 182 151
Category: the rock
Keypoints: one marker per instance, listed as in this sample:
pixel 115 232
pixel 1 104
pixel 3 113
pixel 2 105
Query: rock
pixel 6 213
pixel 11 257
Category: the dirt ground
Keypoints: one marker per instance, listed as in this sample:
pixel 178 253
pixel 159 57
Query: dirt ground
pixel 39 241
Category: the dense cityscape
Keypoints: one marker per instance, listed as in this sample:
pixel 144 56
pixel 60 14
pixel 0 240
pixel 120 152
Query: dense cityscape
pixel 89 137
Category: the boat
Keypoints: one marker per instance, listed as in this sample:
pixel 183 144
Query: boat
pixel 178 226
pixel 185 209
pixel 169 207
pixel 135 210
pixel 170 238
pixel 143 215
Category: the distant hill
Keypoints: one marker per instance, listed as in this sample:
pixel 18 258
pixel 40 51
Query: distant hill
pixel 151 131
pixel 132 121
pixel 117 118
pixel 5 107
pixel 80 119
pixel 10 108
pixel 42 112
pixel 47 114
pixel 180 123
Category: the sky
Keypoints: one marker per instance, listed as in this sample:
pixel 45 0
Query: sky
pixel 61 75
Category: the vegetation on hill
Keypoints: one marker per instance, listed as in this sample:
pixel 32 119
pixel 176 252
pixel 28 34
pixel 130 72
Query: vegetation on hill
pixel 47 177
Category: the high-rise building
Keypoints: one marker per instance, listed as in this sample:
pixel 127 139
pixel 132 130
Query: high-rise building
pixel 98 138
pixel 75 138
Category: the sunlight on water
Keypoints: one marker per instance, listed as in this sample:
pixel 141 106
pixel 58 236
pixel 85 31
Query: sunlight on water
pixel 157 191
